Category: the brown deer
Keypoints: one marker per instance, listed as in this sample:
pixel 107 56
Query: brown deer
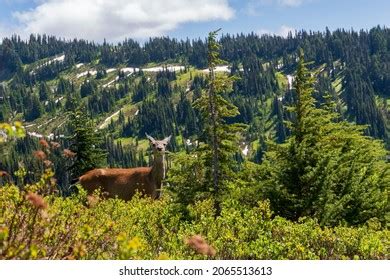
pixel 125 182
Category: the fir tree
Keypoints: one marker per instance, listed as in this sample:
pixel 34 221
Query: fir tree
pixel 44 91
pixel 327 169
pixel 220 138
pixel 35 109
pixel 86 143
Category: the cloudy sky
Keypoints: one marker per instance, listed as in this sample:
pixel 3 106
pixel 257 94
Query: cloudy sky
pixel 140 19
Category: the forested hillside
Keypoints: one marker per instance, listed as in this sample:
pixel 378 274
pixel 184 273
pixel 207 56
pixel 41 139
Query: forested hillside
pixel 299 130
pixel 130 89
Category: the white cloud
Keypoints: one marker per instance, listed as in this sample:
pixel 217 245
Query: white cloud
pixel 282 31
pixel 264 31
pixel 251 9
pixel 2 32
pixel 5 31
pixel 117 19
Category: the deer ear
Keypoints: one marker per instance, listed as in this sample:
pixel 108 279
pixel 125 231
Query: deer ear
pixel 151 139
pixel 167 139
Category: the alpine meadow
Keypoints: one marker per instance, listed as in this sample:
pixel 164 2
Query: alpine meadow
pixel 241 146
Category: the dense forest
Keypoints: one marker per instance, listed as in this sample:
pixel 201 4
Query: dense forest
pixel 279 146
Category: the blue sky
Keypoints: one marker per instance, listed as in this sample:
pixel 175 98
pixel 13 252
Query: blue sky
pixel 140 19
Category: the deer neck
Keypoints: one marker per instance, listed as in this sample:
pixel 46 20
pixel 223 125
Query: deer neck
pixel 157 172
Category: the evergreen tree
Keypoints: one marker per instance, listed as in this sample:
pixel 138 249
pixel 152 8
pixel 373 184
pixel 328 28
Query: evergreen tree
pixel 5 106
pixel 9 59
pixel 35 109
pixel 142 89
pixel 86 143
pixel 101 74
pixel 220 137
pixel 87 88
pixel 44 91
pixel 63 86
pixel 72 101
pixel 163 87
pixel 327 169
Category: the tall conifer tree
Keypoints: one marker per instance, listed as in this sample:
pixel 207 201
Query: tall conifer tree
pixel 86 143
pixel 327 169
pixel 221 138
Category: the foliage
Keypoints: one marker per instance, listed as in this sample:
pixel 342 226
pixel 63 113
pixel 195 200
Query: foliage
pixel 85 143
pixel 186 180
pixel 327 169
pixel 359 60
pixel 7 130
pixel 34 226
pixel 220 137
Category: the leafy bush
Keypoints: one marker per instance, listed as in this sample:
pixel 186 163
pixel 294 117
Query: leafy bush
pixel 34 226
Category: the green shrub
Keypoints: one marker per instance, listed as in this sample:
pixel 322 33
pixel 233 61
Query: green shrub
pixel 88 227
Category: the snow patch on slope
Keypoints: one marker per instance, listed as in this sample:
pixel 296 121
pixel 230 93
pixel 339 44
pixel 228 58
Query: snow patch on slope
pixel 290 80
pixel 162 68
pixel 222 68
pixel 107 120
pixel 92 72
pixel 245 150
pixel 110 83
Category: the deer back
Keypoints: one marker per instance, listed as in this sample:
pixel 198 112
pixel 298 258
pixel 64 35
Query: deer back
pixel 120 182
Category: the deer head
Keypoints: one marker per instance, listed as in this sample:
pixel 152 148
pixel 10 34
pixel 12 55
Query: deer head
pixel 158 146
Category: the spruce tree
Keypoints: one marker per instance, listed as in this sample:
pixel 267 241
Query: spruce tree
pixel 221 138
pixel 35 109
pixel 44 91
pixel 86 143
pixel 327 169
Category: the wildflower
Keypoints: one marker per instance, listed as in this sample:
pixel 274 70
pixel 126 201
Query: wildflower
pixel 40 155
pixel 47 163
pixel 36 200
pixel 44 143
pixel 3 174
pixel 53 181
pixel 69 154
pixel 55 145
pixel 197 243
pixel 92 200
